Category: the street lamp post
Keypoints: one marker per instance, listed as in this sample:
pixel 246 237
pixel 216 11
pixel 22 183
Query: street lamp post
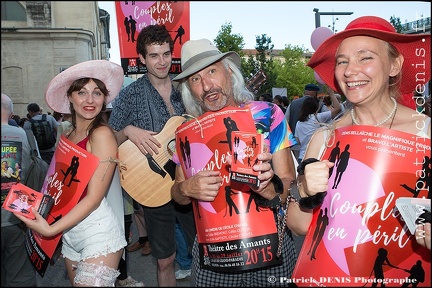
pixel 318 16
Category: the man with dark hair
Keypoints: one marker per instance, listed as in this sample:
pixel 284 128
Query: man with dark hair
pixel 140 111
pixel 278 100
pixel 35 113
pixel 293 110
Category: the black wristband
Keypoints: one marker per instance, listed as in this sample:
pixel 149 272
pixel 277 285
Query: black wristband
pixel 276 201
pixel 278 184
pixel 301 166
pixel 312 201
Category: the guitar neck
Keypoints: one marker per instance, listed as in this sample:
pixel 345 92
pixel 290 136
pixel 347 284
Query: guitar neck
pixel 256 81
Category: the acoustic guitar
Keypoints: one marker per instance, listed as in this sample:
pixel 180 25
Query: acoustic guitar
pixel 148 179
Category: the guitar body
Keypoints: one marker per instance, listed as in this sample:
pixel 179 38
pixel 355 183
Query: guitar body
pixel 148 179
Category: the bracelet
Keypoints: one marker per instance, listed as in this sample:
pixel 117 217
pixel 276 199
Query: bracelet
pixel 309 202
pixel 302 165
pixel 276 201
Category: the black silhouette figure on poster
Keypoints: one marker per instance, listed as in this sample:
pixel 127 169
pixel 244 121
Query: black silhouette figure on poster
pixel 322 223
pixel 230 202
pixel 179 35
pixel 183 152
pixel 236 145
pixel 254 142
pixel 342 164
pixel 252 196
pixel 235 154
pixel 416 275
pixel 187 148
pixel 72 170
pixel 126 2
pixel 231 126
pixel 132 23
pixel 334 156
pixel 381 260
pixel 424 181
pixel 127 26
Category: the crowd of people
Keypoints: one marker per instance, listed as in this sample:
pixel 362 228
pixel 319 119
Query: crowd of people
pixel 368 63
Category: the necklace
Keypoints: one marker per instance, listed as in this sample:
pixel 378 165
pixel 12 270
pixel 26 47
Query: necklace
pixel 383 121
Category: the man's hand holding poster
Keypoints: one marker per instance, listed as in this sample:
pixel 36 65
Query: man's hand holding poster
pixel 357 236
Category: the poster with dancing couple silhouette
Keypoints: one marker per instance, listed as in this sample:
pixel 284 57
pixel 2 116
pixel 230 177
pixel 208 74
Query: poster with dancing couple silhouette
pixel 246 147
pixel 21 199
pixel 133 16
pixel 68 175
pixel 358 238
pixel 234 233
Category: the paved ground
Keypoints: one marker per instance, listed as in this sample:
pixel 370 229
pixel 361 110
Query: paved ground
pixel 142 268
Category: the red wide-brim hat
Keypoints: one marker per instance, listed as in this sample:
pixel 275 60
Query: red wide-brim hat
pixel 415 49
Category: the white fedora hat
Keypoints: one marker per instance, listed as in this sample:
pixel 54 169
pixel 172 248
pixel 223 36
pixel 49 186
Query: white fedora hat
pixel 111 74
pixel 198 54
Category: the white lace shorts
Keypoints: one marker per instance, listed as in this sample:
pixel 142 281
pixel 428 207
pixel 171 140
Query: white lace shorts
pixel 98 234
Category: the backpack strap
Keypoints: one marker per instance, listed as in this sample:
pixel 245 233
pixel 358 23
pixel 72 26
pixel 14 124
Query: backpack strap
pixel 44 116
pixel 32 142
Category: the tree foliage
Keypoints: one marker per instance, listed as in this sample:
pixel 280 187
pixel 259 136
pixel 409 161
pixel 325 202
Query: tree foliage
pixel 226 41
pixel 288 72
pixel 397 24
pixel 291 71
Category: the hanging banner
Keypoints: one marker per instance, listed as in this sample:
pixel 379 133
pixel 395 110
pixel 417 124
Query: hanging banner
pixel 133 16
pixel 357 236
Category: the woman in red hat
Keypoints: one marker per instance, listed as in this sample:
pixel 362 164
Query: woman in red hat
pixel 376 68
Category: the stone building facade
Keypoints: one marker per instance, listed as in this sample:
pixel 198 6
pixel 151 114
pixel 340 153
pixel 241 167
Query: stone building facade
pixel 39 39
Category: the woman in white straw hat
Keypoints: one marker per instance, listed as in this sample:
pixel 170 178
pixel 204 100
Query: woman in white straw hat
pixel 93 235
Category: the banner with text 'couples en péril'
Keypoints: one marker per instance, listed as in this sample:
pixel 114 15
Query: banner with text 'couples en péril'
pixel 357 236
pixel 234 234
pixel 70 171
pixel 133 16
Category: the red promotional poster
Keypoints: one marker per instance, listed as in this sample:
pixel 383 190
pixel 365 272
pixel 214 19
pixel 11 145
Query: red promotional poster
pixel 133 16
pixel 234 234
pixel 68 175
pixel 358 238
pixel 246 147
pixel 21 198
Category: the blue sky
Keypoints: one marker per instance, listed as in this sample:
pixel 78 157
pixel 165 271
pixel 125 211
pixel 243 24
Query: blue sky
pixel 285 22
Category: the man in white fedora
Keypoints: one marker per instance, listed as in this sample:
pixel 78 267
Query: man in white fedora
pixel 211 81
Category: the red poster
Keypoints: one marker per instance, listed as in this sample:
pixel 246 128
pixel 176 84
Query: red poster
pixel 21 199
pixel 246 147
pixel 132 16
pixel 234 234
pixel 68 175
pixel 358 231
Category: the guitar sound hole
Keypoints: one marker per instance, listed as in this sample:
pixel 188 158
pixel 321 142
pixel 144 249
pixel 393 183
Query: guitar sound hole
pixel 171 147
